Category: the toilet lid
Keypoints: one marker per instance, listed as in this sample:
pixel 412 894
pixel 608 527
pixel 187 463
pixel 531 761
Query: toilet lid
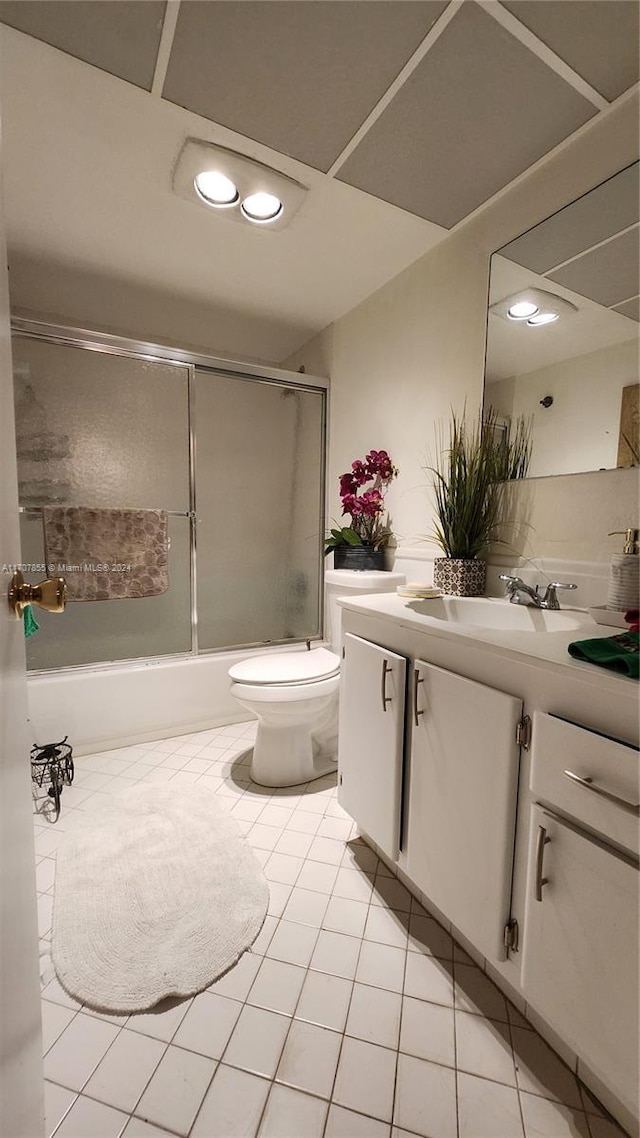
pixel 287 668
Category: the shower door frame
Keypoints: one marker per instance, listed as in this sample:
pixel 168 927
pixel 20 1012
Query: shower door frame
pixel 107 344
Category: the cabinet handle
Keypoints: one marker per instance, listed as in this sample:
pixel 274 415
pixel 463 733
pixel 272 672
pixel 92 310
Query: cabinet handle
pixel 623 803
pixel 383 686
pixel 541 841
pixel 417 679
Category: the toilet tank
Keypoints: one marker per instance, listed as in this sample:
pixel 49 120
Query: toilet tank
pixel 351 583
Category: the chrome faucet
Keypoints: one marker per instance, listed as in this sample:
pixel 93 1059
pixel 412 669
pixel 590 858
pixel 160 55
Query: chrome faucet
pixel 519 593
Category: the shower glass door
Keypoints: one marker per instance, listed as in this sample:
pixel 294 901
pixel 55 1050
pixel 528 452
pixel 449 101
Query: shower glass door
pixel 106 428
pixel 259 479
pixel 106 431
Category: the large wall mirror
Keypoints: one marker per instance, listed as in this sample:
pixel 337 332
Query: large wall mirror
pixel 562 338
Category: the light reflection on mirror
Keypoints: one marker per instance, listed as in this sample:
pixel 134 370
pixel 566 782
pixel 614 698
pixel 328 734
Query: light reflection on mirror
pixel 576 376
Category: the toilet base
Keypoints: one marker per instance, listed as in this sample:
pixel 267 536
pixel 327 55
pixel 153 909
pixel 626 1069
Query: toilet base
pixel 289 756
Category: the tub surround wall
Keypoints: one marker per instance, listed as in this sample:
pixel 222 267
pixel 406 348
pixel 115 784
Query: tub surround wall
pixel 415 348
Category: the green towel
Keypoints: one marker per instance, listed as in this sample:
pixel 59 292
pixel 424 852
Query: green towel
pixel 30 623
pixel 617 652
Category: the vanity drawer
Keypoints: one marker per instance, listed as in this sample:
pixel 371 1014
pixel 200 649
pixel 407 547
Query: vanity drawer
pixel 607 799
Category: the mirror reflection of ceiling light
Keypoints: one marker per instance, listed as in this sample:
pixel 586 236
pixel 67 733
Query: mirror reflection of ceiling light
pixel 216 188
pixel 237 187
pixel 533 307
pixel 261 207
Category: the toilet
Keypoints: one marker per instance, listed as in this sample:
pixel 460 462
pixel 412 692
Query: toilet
pixel 294 695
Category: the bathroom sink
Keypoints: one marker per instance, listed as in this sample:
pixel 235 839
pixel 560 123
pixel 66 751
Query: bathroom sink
pixel 495 613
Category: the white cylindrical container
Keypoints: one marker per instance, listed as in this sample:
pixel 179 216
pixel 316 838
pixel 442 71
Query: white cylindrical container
pixel 624 582
pixel 624 575
pixel 352 582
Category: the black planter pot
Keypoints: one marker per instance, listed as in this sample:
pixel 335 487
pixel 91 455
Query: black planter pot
pixel 358 557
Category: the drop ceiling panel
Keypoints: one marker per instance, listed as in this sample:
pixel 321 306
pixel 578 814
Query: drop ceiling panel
pixel 597 38
pixel 478 110
pixel 608 274
pixel 630 308
pixel 593 218
pixel 118 36
pixel 299 77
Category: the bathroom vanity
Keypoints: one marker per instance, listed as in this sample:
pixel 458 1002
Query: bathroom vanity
pixel 500 778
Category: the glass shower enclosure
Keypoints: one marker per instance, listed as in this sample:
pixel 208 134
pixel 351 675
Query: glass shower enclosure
pixel 234 456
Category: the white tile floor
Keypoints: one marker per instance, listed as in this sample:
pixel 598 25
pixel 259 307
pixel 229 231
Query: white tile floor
pixel 354 1014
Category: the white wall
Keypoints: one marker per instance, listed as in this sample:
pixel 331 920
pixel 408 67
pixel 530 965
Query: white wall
pixel 402 358
pixel 580 430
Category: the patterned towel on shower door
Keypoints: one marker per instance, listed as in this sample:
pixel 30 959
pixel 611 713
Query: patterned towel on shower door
pixel 107 555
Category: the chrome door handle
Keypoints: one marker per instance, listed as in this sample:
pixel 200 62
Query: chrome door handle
pixel 588 784
pixel 383 686
pixel 417 679
pixel 541 841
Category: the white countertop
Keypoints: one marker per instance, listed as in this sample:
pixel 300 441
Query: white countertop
pixel 548 648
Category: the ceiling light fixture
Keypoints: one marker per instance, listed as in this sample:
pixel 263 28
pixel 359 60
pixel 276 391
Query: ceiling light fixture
pixel 543 318
pixel 239 189
pixel 261 207
pixel 522 309
pixel 533 307
pixel 216 189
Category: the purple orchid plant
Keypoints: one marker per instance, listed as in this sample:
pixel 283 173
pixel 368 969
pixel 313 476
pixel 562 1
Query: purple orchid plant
pixel 365 507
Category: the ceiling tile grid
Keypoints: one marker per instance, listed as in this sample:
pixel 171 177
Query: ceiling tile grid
pixel 118 36
pixel 600 214
pixel 597 38
pixel 298 77
pixel 608 274
pixel 302 77
pixel 478 110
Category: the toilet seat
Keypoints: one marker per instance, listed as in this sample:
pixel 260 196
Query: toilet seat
pixel 286 668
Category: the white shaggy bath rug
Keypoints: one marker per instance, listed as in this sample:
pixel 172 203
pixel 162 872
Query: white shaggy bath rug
pixel 156 894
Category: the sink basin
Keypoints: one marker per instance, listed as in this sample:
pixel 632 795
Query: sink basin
pixel 495 613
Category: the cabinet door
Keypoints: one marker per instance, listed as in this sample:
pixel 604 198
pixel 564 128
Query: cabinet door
pixel 580 948
pixel 371 734
pixel 463 788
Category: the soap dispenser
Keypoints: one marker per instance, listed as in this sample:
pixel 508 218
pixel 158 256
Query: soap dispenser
pixel 624 574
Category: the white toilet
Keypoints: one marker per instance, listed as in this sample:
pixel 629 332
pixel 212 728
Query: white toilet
pixel 295 694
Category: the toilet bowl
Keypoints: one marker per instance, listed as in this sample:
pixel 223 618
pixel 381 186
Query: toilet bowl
pixel 294 695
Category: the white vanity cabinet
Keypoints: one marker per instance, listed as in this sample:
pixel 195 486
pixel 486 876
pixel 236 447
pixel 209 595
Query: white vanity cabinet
pixel 580 943
pixel 505 736
pixel 371 739
pixel 462 795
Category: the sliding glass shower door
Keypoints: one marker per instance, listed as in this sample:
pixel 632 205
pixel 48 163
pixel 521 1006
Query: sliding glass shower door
pixel 237 462
pixel 259 464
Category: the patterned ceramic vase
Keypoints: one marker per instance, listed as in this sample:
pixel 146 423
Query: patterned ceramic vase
pixel 358 557
pixel 460 577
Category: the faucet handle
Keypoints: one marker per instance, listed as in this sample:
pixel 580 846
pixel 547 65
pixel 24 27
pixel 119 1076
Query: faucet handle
pixel 550 599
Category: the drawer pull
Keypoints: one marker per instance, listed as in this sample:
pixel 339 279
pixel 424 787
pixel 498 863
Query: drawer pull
pixel 417 679
pixel 385 699
pixel 541 841
pixel 630 807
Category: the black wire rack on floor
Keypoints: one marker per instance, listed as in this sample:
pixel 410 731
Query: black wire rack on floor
pixel 53 763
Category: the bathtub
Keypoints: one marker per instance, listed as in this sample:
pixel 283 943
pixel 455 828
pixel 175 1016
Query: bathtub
pixel 117 705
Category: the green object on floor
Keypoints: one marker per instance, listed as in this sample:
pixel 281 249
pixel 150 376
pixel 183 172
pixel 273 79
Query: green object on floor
pixel 620 653
pixel 30 623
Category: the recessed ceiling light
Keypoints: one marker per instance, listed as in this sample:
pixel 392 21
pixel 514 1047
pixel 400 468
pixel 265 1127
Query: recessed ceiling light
pixel 261 207
pixel 543 318
pixel 216 189
pixel 522 309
